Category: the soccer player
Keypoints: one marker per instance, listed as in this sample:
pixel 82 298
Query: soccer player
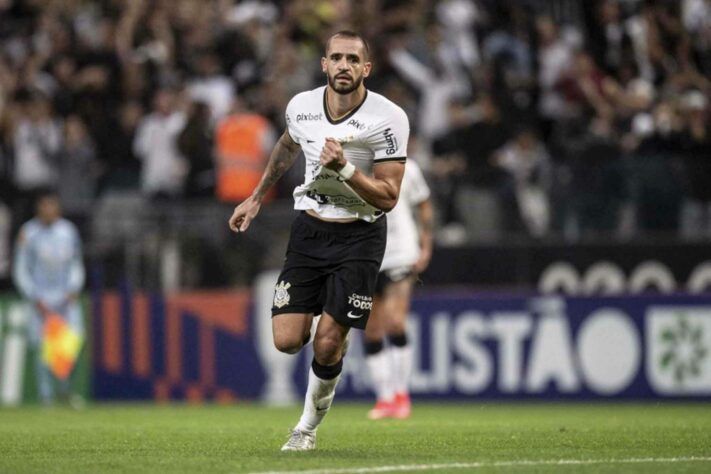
pixel 407 253
pixel 354 142
pixel 49 273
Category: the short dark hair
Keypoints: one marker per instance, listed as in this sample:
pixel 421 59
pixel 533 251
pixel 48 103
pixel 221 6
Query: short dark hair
pixel 351 35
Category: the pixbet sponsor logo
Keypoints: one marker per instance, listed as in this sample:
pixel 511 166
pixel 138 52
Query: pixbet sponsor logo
pixel 361 302
pixel 308 117
pixel 390 141
pixel 355 123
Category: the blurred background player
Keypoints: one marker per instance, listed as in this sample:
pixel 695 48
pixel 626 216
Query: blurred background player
pixel 49 273
pixel 407 253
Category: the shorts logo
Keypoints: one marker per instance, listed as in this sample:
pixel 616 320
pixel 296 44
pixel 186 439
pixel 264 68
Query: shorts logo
pixel 281 294
pixel 360 302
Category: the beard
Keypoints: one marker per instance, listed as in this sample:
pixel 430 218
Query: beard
pixel 344 89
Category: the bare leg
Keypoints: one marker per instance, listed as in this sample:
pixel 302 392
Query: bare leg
pixel 290 331
pixel 325 372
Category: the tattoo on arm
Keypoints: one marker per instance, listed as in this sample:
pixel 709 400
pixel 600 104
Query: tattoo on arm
pixel 280 161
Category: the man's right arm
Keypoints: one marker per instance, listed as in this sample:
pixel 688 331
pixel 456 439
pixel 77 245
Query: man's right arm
pixel 20 267
pixel 281 159
pixel 21 273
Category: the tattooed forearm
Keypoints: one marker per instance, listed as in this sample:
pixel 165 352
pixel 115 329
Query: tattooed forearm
pixel 281 159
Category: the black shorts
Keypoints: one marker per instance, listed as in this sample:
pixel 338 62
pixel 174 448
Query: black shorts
pixel 388 277
pixel 331 267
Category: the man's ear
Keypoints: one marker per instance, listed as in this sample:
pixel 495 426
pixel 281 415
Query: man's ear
pixel 323 65
pixel 367 67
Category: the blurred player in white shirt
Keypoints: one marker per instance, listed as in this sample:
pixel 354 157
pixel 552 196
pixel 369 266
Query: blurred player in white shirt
pixel 407 253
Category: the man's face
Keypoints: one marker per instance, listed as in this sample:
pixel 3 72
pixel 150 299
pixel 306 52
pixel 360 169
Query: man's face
pixel 345 64
pixel 48 209
pixel 163 102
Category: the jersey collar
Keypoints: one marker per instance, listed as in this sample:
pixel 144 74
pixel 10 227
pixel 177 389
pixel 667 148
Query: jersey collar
pixel 345 117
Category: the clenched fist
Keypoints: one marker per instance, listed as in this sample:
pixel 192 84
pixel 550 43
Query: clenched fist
pixel 332 155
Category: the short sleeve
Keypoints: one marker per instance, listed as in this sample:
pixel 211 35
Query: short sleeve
pixel 289 117
pixel 390 140
pixel 418 190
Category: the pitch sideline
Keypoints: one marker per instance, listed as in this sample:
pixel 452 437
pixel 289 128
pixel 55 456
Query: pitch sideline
pixel 477 465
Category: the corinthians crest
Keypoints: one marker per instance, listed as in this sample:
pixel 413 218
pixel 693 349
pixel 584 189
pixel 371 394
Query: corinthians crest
pixel 281 294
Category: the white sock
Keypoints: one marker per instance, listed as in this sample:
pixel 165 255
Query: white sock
pixel 401 367
pixel 319 396
pixel 380 368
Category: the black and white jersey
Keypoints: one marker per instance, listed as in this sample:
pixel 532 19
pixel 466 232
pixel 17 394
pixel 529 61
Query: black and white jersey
pixel 374 132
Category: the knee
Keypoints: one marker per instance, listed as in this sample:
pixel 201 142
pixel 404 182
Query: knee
pixel 327 349
pixel 287 343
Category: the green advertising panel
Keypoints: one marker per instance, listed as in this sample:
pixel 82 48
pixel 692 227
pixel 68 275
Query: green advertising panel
pixel 19 358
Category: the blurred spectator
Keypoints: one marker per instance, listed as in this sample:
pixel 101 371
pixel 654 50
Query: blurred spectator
pixel 163 168
pixel 36 142
pixel 37 139
pixel 121 166
pixel 596 188
pixel 656 172
pixel 555 56
pixel 524 191
pixel 583 88
pixel 697 21
pixel 458 18
pixel 610 38
pixel 243 142
pixel 696 148
pixel 78 170
pixel 195 144
pixel 211 86
pixel 481 133
pixel 438 83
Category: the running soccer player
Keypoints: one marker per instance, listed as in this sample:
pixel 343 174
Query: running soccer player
pixel 354 142
pixel 407 253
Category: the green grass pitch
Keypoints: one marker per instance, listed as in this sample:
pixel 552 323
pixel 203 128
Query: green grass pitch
pixel 477 437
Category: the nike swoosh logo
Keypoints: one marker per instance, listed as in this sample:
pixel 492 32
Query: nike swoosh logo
pixel 354 316
pixel 310 141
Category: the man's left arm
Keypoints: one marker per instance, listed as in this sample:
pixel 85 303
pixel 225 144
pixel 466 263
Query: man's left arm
pixel 381 190
pixel 389 144
pixel 77 274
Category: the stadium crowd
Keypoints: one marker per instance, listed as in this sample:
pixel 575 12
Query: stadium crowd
pixel 562 118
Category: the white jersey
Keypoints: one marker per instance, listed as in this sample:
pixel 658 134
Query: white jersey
pixel 403 244
pixel 374 132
